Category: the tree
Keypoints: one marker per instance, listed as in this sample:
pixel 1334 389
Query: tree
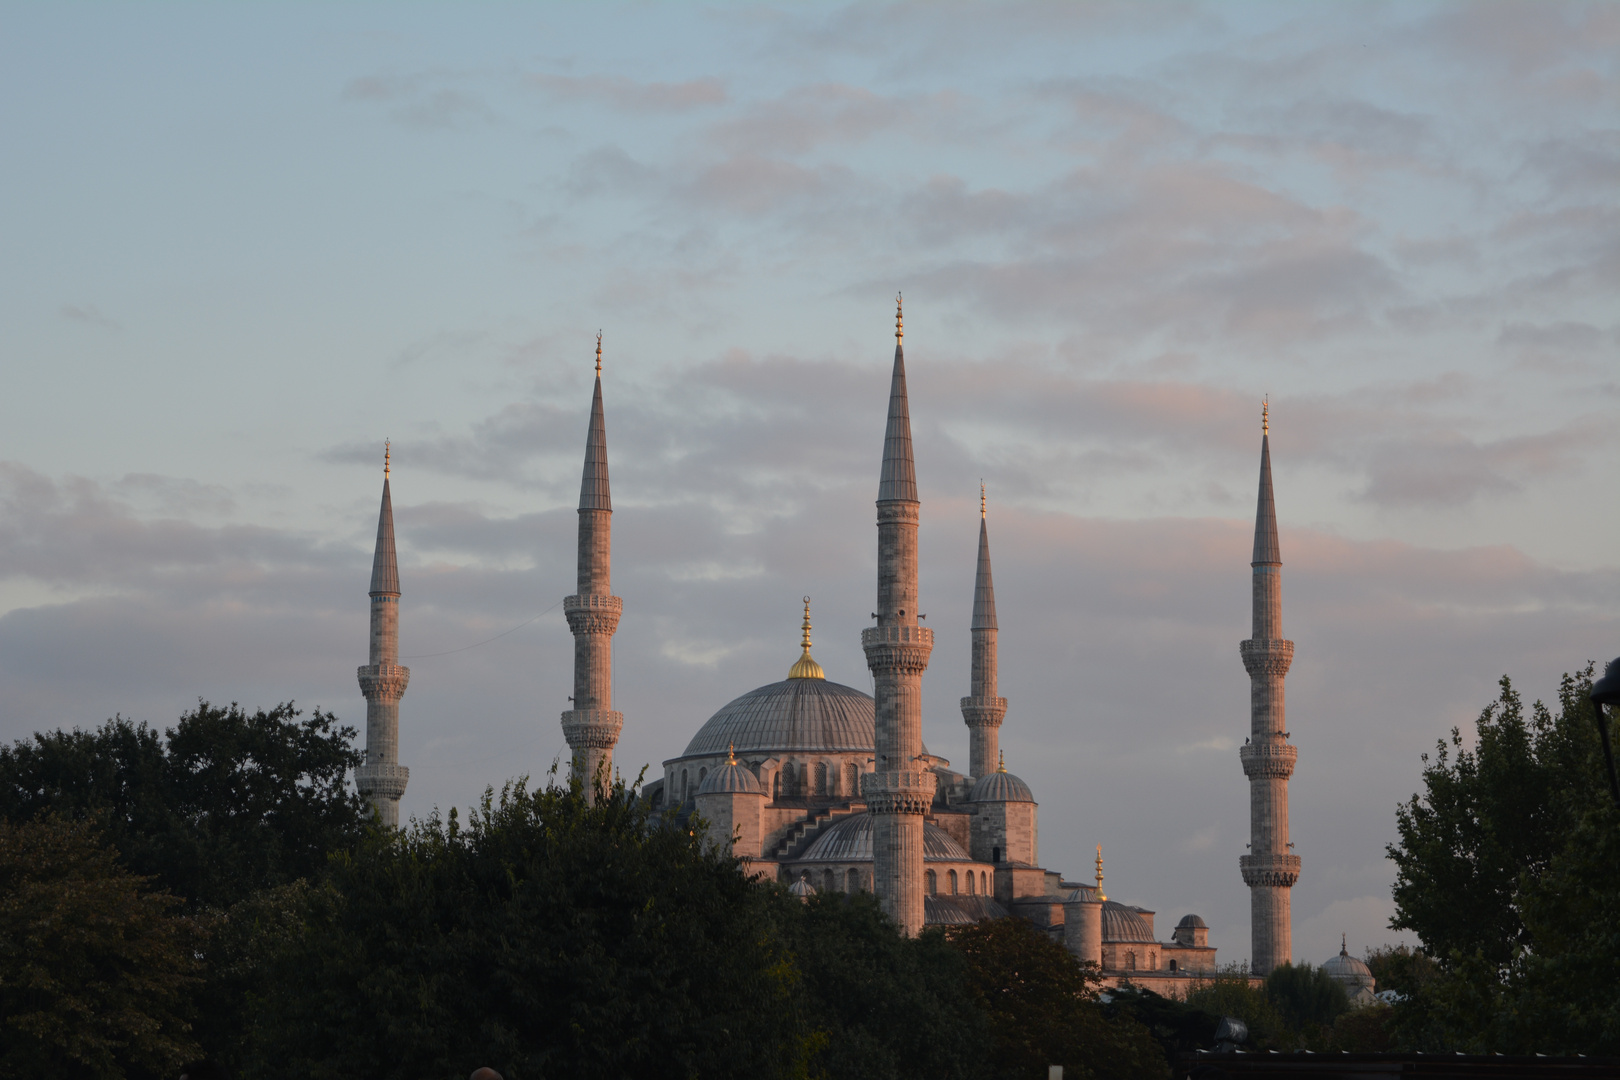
pixel 547 936
pixel 1230 993
pixel 1308 998
pixel 226 804
pixel 96 970
pixel 1508 868
pixel 1042 1009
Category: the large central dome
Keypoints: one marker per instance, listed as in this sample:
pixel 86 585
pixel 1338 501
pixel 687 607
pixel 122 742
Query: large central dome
pixel 792 716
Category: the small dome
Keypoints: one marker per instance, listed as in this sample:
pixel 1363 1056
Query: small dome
pixel 850 840
pixel 731 779
pixel 1192 922
pixel 1001 786
pixel 802 888
pixel 1349 972
pixel 1122 923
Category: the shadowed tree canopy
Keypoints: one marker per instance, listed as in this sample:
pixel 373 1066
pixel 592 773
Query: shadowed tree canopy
pixel 96 971
pixel 224 804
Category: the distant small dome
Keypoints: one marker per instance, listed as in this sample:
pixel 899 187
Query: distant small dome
pixel 1192 922
pixel 1122 923
pixel 1349 972
pixel 802 888
pixel 850 840
pixel 731 779
pixel 1001 787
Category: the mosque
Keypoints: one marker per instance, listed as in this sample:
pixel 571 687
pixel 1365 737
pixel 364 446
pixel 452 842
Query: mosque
pixel 826 788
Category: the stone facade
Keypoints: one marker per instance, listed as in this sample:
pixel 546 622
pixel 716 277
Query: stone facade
pixel 1271 868
pixel 382 778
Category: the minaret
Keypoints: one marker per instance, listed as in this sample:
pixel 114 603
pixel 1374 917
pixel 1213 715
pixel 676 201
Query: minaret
pixel 1270 869
pixel 591 726
pixel 982 710
pixel 899 790
pixel 382 778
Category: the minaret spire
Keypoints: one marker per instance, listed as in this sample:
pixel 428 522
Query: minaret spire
pixel 982 710
pixel 900 790
pixel 1270 869
pixel 806 667
pixel 382 778
pixel 592 726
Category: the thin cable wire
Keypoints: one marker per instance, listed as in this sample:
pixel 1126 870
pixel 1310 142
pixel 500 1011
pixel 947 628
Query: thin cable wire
pixel 486 641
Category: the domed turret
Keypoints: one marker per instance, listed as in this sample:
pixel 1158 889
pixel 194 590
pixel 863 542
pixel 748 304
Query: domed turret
pixel 731 778
pixel 1121 923
pixel 1001 786
pixel 1003 825
pixel 1352 974
pixel 729 800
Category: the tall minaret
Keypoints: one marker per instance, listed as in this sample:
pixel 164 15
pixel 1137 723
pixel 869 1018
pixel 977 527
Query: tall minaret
pixel 382 778
pixel 982 710
pixel 591 726
pixel 1270 869
pixel 899 790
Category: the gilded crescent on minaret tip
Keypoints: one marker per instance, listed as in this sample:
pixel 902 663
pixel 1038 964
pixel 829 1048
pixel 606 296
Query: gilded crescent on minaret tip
pixel 1265 415
pixel 981 498
pixel 1100 895
pixel 899 322
pixel 599 352
pixel 387 453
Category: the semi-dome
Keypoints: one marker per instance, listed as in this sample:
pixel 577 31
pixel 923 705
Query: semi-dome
pixel 731 779
pixel 1122 923
pixel 1001 786
pixel 1191 922
pixel 850 840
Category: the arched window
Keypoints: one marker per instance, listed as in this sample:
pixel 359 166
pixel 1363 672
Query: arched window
pixel 971 890
pixel 821 778
pixel 950 881
pixel 984 883
pixel 776 786
pixel 685 788
pixel 1172 965
pixel 701 774
pixel 829 883
pixel 1153 961
pixel 995 854
pixel 933 883
pixel 852 772
pixel 854 881
pixel 1130 961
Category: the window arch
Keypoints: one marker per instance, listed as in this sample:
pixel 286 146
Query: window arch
pixel 821 778
pixel 854 881
pixel 995 854
pixel 828 882
pixel 685 786
pixel 1130 961
pixel 950 881
pixel 1172 965
pixel 933 883
pixel 984 883
pixel 701 774
pixel 971 890
pixel 852 772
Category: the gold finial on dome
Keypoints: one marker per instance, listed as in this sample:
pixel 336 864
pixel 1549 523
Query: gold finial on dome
pixel 731 753
pixel 806 666
pixel 599 354
pixel 899 325
pixel 1100 895
pixel 1001 765
pixel 1265 415
pixel 388 450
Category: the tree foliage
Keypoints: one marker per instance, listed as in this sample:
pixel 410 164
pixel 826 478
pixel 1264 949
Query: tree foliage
pixel 1041 1006
pixel 226 804
pixel 96 970
pixel 1308 998
pixel 1508 869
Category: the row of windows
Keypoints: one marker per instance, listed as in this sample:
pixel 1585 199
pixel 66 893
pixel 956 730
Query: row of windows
pixel 973 883
pixel 824 778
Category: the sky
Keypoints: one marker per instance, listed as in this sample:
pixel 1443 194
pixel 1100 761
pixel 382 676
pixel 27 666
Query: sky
pixel 245 244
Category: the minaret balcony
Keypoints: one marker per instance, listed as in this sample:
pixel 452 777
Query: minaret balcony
pixel 381 780
pixel 383 682
pixel 595 613
pixel 899 791
pixel 1271 759
pixel 1266 657
pixel 597 729
pixel 898 647
pixel 1276 871
pixel 984 710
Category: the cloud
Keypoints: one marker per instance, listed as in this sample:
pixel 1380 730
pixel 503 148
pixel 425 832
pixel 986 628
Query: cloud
pixel 427 101
pixel 89 315
pixel 629 95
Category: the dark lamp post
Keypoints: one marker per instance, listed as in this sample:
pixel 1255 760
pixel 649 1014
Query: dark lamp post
pixel 1606 691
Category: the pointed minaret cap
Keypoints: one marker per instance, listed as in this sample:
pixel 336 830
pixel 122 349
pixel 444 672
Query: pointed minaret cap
pixel 1267 552
pixel 984 588
pixel 384 563
pixel 806 667
pixel 593 486
pixel 899 478
pixel 1100 895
